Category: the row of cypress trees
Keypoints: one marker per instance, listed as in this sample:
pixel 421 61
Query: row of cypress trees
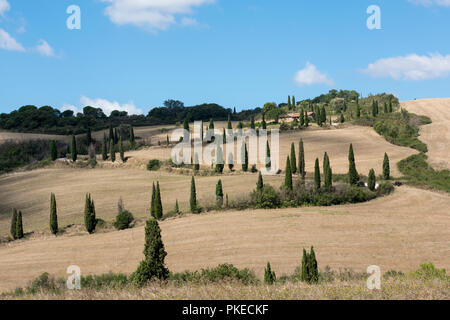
pixel 16 229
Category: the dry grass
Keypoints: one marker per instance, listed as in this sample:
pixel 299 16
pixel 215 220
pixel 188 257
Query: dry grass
pixel 16 136
pixel 437 134
pixel 392 289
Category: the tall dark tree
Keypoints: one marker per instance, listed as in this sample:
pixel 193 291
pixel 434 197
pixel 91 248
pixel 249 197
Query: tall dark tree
pixel 306 119
pixel 219 160
pixel 230 161
pixel 132 138
pixel 293 159
pixel 268 157
pixel 305 265
pixel 294 104
pixel 288 176
pixel 317 182
pixel 89 136
pixel 122 153
pixel 269 275
pixel 385 108
pixel 386 168
pixel 53 215
pixel 111 133
pixel 158 203
pixel 104 148
pixel 153 202
pixel 326 163
pixel 19 226
pixel 244 158
pixel 301 160
pixel 219 194
pixel 116 136
pixel 264 123
pixel 12 229
pixel 74 153
pixel 260 184
pixel 341 118
pixel 229 125
pixel 112 150
pixel 390 107
pixel 252 123
pixel 329 179
pixel 153 265
pixel 358 111
pixel 302 117
pixel 211 124
pixel 313 267
pixel 353 176
pixel 193 198
pixel 53 150
pixel 90 220
pixel 289 103
pixel 372 180
pixel 224 136
pixel 196 162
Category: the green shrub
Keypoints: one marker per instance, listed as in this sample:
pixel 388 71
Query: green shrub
pixel 43 283
pixel 269 199
pixel 108 280
pixel 428 271
pixel 385 188
pixel 221 273
pixel 154 165
pixel 123 220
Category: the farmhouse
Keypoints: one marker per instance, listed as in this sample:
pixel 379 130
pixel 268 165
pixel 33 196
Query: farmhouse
pixel 291 117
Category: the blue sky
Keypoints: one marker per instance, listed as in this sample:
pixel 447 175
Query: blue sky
pixel 238 53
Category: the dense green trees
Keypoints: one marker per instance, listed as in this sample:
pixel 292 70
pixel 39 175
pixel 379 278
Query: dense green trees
pixel 293 159
pixel 219 194
pixel 73 151
pixel 90 220
pixel 371 182
pixel 269 275
pixel 386 168
pixel 353 176
pixel 53 215
pixel 288 177
pixel 53 150
pixel 153 265
pixel 310 269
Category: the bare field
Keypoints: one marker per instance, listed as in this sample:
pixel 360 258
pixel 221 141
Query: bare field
pixel 398 232
pixel 16 136
pixel 437 134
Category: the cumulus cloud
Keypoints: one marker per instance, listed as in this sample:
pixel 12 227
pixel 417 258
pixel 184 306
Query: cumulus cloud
pixel 428 3
pixel 310 75
pixel 411 67
pixel 4 6
pixel 9 43
pixel 45 49
pixel 109 106
pixel 153 15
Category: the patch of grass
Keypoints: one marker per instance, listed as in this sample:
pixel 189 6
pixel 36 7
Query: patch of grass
pixel 418 172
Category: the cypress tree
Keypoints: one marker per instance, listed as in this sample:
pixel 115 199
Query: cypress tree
pixel 111 133
pixel 244 157
pixel 390 107
pixel 153 202
pixel 305 272
pixel 193 199
pixel 229 125
pixel 252 123
pixel 196 162
pixel 112 150
pixel 177 207
pixel 288 177
pixel 74 149
pixel 329 179
pixel 19 226
pixel 293 102
pixel 227 203
pixel 268 156
pixel 353 176
pixel 219 160
pixel 317 175
pixel 313 267
pixel 132 138
pixel 385 108
pixel 104 148
pixel 358 111
pixel 341 118
pixel 224 137
pixel 260 184
pixel 122 154
pixel 53 150
pixel 153 265
pixel 264 123
pixel 89 136
pixel 374 109
pixel 53 215
pixel 302 117
pixel 167 140
pixel 301 160
pixel 289 102
pixel 211 124
pixel 293 159
pixel 324 115
pixel 158 203
pixel 386 168
pixel 13 227
pixel 326 163
pixel 219 194
pixel 371 182
pixel 269 275
pixel 306 119
pixel 116 136
pixel 90 220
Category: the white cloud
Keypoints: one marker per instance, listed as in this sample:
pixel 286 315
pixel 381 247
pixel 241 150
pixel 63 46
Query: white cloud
pixel 187 22
pixel 153 15
pixel 310 76
pixel 69 107
pixel 45 49
pixel 109 106
pixel 428 3
pixel 9 43
pixel 410 67
pixel 4 6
